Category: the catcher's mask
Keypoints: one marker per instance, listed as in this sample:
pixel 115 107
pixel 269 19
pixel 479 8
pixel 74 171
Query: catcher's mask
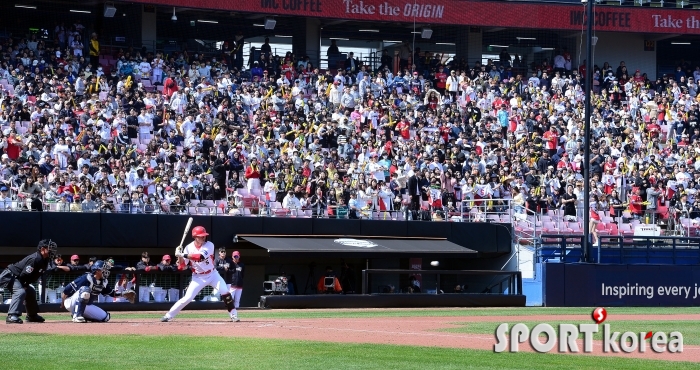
pixel 100 265
pixel 50 245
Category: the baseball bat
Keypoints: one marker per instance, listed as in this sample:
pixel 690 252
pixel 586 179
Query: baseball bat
pixel 187 229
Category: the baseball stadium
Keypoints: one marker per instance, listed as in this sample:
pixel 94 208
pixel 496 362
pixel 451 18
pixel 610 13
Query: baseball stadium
pixel 398 184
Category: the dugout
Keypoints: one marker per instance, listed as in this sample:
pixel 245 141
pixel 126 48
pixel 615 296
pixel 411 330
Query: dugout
pixel 271 245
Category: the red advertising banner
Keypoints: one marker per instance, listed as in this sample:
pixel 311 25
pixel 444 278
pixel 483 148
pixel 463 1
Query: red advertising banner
pixel 472 13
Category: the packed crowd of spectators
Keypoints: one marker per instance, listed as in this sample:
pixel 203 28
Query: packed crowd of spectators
pixel 159 133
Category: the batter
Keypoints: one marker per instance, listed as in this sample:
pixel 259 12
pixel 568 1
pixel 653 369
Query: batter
pixel 199 257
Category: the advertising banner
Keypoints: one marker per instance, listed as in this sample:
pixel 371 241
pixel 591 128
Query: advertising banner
pixel 471 13
pixel 581 285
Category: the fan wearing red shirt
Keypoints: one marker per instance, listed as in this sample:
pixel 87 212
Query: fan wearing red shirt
pixel 388 147
pixel 445 133
pixel 169 86
pixel 593 222
pixel 653 129
pixel 638 77
pixel 433 100
pixel 252 174
pixel 636 203
pixel 403 128
pixel 498 103
pixel 288 71
pixel 662 111
pixel 306 170
pixel 551 138
pixel 441 80
pixel 13 147
pixel 610 165
pixel 564 162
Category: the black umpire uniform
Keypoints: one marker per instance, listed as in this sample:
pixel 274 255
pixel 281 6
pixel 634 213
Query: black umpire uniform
pixel 17 277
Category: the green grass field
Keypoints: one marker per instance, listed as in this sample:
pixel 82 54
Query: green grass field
pixel 30 351
pixel 95 351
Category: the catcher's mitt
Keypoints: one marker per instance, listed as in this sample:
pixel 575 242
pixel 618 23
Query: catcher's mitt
pixel 130 295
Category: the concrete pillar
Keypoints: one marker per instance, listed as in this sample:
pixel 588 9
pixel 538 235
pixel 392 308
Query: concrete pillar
pixel 313 40
pixel 462 48
pixel 299 41
pixel 307 40
pixel 148 29
pixel 474 46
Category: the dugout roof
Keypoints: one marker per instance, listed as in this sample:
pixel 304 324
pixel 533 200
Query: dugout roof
pixel 343 246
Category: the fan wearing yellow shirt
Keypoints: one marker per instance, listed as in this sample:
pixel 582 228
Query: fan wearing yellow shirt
pixel 94 51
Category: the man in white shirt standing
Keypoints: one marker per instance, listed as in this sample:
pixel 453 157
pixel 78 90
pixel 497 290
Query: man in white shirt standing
pixel 178 102
pixel 145 69
pixel 104 129
pixel 145 124
pixel 559 63
pixel 376 169
pixel 157 68
pixel 453 84
pixel 683 177
pixel 291 202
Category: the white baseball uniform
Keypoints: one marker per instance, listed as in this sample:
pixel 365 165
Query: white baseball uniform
pixel 203 273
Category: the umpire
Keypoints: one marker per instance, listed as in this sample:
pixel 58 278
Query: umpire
pixel 17 277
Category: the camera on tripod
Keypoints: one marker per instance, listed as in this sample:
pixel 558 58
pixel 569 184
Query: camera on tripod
pixel 276 287
pixel 329 283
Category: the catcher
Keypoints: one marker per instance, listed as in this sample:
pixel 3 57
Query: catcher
pixel 79 295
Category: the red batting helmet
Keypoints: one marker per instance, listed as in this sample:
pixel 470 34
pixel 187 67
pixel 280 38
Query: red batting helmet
pixel 199 231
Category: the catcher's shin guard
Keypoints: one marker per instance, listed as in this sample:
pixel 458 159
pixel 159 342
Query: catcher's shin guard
pixel 83 300
pixel 228 301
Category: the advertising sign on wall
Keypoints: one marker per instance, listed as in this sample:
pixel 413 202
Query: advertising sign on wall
pixel 474 13
pixel 580 285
